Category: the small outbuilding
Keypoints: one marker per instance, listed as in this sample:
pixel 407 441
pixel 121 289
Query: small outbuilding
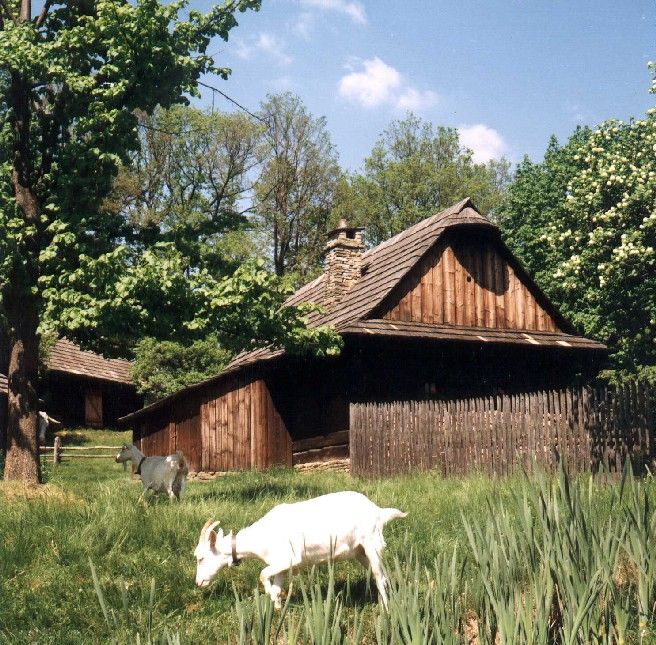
pixel 81 388
pixel 442 310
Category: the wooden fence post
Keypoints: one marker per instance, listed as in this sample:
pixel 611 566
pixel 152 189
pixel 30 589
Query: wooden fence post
pixel 56 452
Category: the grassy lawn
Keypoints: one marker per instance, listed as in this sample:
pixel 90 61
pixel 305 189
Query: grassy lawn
pixel 89 514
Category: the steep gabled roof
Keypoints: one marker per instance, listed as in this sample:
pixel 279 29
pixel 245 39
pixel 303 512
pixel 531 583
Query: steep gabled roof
pixel 383 269
pixel 385 266
pixel 67 358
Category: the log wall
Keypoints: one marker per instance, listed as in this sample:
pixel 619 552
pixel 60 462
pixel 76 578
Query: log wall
pixel 586 427
pixel 467 281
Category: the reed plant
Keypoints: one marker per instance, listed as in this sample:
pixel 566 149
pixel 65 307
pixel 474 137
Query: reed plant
pixel 544 558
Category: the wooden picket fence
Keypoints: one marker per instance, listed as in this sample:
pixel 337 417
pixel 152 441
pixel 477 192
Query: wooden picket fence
pixel 588 427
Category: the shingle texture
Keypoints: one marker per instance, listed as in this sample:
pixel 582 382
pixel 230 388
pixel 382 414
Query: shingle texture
pixel 382 268
pixel 68 358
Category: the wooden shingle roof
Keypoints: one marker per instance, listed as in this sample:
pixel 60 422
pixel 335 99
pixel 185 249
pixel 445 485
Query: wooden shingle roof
pixel 396 329
pixel 382 269
pixel 67 358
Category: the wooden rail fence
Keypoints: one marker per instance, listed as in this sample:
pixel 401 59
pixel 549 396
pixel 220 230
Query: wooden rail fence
pixel 586 426
pixel 60 452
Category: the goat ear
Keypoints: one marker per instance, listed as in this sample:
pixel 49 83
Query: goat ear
pixel 212 537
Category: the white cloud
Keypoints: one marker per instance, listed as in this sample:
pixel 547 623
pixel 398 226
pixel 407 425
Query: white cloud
pixel 380 84
pixel 485 142
pixel 354 10
pixel 412 99
pixel 282 84
pixel 264 43
pixel 372 86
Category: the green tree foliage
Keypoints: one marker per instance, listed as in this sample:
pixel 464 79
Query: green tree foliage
pixel 295 191
pixel 163 367
pixel 584 221
pixel 413 171
pixel 111 303
pixel 75 73
pixel 190 183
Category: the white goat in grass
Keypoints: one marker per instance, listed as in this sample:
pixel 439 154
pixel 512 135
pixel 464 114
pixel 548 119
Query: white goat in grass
pixel 159 474
pixel 335 526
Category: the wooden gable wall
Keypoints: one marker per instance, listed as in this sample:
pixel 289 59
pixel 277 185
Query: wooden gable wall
pixel 466 280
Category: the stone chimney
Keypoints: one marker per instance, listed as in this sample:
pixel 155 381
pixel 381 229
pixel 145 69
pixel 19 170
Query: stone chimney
pixel 343 261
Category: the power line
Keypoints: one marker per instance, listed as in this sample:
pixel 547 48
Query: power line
pixel 214 90
pixel 229 98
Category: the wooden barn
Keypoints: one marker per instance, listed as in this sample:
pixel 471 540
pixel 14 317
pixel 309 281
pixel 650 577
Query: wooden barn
pixel 81 388
pixel 442 310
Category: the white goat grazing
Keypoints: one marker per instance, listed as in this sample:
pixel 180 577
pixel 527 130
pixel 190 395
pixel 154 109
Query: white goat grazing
pixel 159 474
pixel 335 526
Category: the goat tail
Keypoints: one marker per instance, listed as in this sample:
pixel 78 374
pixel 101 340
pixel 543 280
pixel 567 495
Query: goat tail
pixel 387 514
pixel 183 464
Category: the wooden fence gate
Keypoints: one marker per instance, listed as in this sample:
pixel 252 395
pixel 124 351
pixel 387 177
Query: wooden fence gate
pixel 585 426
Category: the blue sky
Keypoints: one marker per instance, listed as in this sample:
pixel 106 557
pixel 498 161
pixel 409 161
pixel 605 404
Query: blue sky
pixel 507 73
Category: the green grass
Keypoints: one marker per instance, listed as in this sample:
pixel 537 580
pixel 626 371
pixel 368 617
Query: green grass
pixel 89 514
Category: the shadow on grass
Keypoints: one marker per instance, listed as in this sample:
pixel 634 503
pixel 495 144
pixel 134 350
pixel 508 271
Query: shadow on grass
pixel 255 491
pixel 68 437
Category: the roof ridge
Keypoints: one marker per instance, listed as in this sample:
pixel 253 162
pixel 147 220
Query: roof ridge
pixel 446 212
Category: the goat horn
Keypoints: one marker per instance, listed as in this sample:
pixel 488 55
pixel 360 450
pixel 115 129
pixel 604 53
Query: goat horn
pixel 211 526
pixel 203 531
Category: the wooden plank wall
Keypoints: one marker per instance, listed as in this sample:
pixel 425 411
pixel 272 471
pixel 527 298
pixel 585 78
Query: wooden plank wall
pixel 174 428
pixel 153 436
pixel 241 427
pixel 466 281
pixel 587 427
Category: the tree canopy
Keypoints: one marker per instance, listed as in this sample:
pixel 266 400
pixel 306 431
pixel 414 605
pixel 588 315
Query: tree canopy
pixel 413 171
pixel 75 73
pixel 295 190
pixel 584 221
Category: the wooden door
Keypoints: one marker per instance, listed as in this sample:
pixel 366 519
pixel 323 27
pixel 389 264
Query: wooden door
pixel 93 414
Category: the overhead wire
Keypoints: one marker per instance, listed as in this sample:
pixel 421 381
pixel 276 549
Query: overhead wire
pixel 215 90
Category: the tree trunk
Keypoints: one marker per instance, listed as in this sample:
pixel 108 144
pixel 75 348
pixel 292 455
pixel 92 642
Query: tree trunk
pixel 4 369
pixel 21 302
pixel 22 462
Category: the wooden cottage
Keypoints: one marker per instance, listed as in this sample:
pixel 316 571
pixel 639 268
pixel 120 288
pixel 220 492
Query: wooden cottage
pixel 442 310
pixel 81 388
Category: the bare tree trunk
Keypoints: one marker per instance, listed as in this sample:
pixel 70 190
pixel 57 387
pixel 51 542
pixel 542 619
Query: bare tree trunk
pixel 22 462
